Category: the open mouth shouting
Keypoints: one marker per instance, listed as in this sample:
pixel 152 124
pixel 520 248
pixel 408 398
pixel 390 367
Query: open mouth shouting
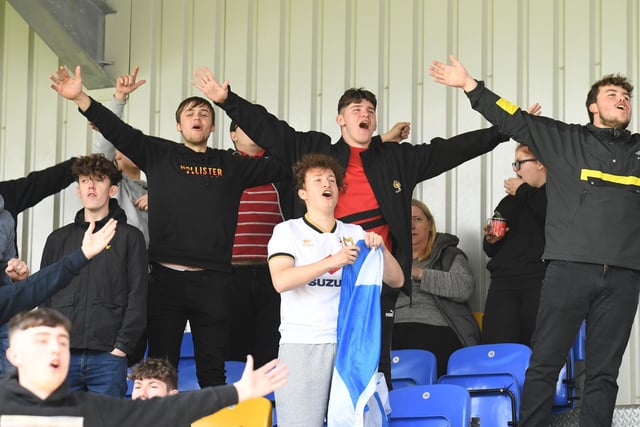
pixel 622 106
pixel 364 124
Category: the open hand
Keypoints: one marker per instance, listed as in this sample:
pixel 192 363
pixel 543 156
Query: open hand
pixel 206 82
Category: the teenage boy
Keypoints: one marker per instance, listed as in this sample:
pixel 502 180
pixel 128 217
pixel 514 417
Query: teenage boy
pixel 380 177
pixel 306 256
pixel 106 301
pixel 255 305
pixel 37 393
pixel 194 193
pixel 153 377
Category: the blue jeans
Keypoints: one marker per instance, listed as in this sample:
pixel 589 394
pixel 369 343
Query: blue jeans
pixel 98 372
pixel 607 297
pixel 5 366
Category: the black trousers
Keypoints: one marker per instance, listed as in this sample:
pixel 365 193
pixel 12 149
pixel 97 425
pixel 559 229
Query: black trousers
pixel 607 297
pixel 255 315
pixel 200 297
pixel 510 315
pixel 439 340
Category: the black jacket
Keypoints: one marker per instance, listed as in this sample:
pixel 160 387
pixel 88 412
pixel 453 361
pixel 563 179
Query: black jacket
pixel 193 196
pixel 393 170
pixel 106 302
pixel 593 182
pixel 23 193
pixel 516 259
pixel 96 410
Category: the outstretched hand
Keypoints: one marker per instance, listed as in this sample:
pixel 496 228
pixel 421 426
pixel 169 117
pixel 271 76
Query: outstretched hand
pixel 68 86
pixel 454 75
pixel 205 81
pixel 262 381
pixel 94 243
pixel 127 83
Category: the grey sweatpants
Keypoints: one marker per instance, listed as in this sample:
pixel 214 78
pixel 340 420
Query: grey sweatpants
pixel 303 401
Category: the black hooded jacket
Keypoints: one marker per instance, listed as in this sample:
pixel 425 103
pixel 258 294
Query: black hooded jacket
pixel 94 410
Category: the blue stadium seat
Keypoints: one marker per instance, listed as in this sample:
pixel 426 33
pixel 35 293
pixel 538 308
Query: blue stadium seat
pixel 187 378
pixel 431 405
pixel 493 374
pixel 413 367
pixel 579 343
pixel 233 370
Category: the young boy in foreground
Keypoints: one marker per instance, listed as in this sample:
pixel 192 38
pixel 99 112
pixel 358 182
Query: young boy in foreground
pixel 37 393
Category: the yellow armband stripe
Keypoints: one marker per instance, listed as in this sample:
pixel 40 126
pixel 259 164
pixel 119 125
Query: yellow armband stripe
pixel 585 174
pixel 507 106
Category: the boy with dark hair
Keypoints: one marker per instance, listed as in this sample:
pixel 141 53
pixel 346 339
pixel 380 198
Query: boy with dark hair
pixel 194 193
pixel 106 302
pixel 153 377
pixel 37 393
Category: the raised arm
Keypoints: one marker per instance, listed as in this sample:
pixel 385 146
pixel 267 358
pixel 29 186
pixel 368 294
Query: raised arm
pixel 125 85
pixel 23 193
pixel 41 285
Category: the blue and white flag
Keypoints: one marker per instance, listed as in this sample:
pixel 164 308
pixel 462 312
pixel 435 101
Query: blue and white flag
pixel 353 400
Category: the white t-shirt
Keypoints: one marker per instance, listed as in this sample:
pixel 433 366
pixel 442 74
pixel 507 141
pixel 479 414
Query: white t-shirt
pixel 309 313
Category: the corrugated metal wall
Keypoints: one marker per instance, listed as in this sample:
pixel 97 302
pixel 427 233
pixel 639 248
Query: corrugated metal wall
pixel 297 56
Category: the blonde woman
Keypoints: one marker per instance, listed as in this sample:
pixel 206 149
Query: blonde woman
pixel 436 317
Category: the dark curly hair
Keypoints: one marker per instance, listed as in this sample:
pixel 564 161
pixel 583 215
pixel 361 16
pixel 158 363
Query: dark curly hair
pixel 317 160
pixel 609 79
pixel 98 165
pixel 157 369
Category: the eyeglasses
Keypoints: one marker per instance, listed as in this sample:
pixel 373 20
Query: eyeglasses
pixel 518 163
